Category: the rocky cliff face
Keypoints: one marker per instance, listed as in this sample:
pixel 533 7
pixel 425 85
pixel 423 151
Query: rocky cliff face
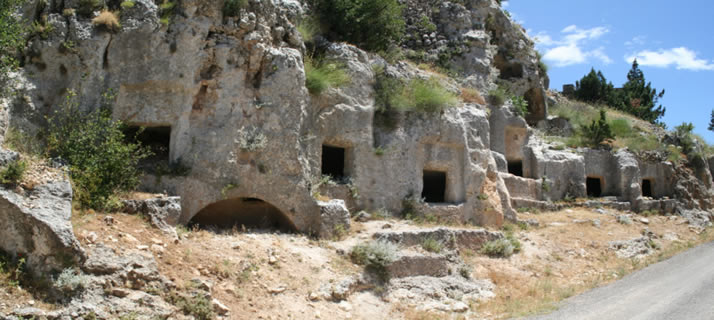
pixel 232 92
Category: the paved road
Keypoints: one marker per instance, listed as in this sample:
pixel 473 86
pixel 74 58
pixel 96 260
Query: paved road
pixel 679 288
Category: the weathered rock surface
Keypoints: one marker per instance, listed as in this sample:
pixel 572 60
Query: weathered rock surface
pixel 442 294
pixel 37 225
pixel 163 213
pixel 449 237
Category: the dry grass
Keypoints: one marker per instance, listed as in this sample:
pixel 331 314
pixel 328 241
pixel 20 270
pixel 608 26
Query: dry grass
pixel 564 258
pixel 107 20
pixel 470 95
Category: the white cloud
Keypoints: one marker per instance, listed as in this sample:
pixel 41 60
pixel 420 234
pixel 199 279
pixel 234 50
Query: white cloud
pixel 681 58
pixel 636 41
pixel 570 49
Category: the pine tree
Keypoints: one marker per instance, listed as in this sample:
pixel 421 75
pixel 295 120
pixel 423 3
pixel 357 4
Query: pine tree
pixel 593 87
pixel 638 97
pixel 711 122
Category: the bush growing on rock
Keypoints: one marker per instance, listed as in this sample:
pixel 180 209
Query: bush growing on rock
pixel 370 24
pixel 101 162
pixel 107 20
pixel 14 172
pixel 413 95
pixel 70 281
pixel 320 76
pixel 376 255
pixel 502 248
pixel 11 38
pixel 231 8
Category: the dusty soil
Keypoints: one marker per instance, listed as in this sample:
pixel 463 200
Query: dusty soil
pixel 263 275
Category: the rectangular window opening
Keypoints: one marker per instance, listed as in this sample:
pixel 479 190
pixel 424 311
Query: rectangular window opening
pixel 434 190
pixel 156 139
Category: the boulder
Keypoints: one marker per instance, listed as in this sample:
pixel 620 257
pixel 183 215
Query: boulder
pixel 37 225
pixel 163 213
pixel 334 218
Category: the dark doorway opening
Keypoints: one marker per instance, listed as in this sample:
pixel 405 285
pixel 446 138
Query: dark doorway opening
pixel 647 188
pixel 156 139
pixel 333 162
pixel 249 213
pixel 594 187
pixel 515 168
pixel 434 186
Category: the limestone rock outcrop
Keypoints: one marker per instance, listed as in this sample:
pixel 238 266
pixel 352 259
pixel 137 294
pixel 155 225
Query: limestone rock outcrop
pixel 36 225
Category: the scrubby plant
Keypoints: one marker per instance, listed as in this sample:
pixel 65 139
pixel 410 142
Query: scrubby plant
pixel 69 281
pixel 197 304
pixel 375 255
pixel 620 128
pixel 12 40
pixel 322 75
pixel 87 7
pixel 428 95
pixel 23 142
pixel 472 96
pixel 497 97
pixel 166 10
pixel 231 8
pixel 412 207
pixel 432 245
pixel 371 24
pixel 520 105
pixel 502 248
pixel 308 28
pixel 42 29
pixel 13 172
pixel 598 131
pixel 128 4
pixel 107 20
pixel 101 162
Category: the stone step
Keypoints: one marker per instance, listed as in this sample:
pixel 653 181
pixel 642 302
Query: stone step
pixel 535 204
pixel 451 238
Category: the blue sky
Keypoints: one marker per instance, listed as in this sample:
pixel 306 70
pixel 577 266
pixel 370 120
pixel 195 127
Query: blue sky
pixel 673 42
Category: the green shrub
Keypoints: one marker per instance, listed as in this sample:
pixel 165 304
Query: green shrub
pixel 70 281
pixel 520 105
pixel 639 143
pixel 597 131
pixel 87 7
pixel 197 305
pixel 308 28
pixel 376 255
pixel 12 40
pixel 428 96
pixel 371 24
pixel 128 4
pixel 101 162
pixel 674 155
pixel 231 8
pixel 497 97
pixel 22 142
pixel 502 248
pixel 621 128
pixel 417 95
pixel 166 10
pixel 432 245
pixel 14 172
pixel 320 76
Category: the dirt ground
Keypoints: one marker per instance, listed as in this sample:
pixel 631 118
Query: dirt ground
pixel 263 275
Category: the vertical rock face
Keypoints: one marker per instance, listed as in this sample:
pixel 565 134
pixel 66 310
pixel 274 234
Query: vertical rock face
pixel 37 226
pixel 230 92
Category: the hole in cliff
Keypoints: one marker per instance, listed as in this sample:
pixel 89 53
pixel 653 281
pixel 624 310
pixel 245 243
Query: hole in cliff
pixel 647 187
pixel 508 70
pixel 515 167
pixel 251 213
pixel 536 105
pixel 593 186
pixel 333 162
pixel 434 189
pixel 157 139
pixel 63 70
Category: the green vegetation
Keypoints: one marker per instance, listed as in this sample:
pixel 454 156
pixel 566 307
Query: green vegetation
pixel 432 245
pixel 13 172
pixel 197 305
pixel 308 28
pixel 166 10
pixel 636 96
pixel 102 164
pixel 87 7
pixel 375 255
pixel 520 105
pixel 322 75
pixel 497 97
pixel 598 131
pixel 370 24
pixel 11 38
pixel 414 95
pixel 231 8
pixel 69 281
pixel 501 248
pixel 128 4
